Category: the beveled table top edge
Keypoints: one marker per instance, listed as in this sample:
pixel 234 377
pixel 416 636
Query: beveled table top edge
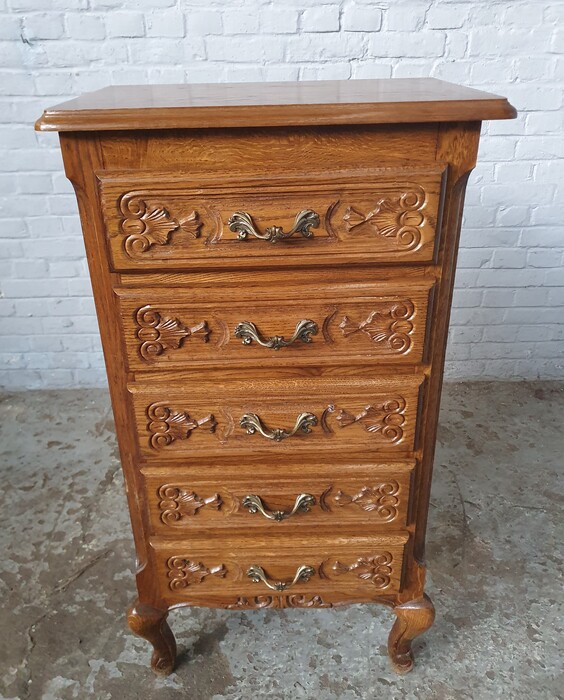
pixel 311 103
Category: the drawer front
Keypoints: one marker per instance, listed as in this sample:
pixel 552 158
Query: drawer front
pixel 167 329
pixel 216 417
pixel 358 565
pixel 375 496
pixel 170 221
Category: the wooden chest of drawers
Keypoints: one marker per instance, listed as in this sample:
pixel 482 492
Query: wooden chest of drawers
pixel 272 267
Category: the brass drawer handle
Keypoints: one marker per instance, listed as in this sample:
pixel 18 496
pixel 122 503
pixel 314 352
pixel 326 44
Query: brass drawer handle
pixel 242 223
pixel 249 332
pixel 252 423
pixel 256 574
pixel 254 504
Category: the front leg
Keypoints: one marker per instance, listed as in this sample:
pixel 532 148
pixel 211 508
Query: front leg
pixel 150 623
pixel 413 618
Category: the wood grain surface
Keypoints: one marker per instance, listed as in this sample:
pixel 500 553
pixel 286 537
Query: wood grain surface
pixel 185 501
pixel 370 565
pixel 167 329
pixel 377 416
pixel 274 104
pixel 156 220
pixel 346 416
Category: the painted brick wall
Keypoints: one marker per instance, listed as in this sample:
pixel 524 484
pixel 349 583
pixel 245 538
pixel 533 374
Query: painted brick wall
pixel 508 315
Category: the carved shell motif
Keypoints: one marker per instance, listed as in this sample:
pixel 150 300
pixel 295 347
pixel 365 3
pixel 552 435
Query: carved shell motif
pixel 376 569
pixel 283 601
pixel 168 424
pixel 380 499
pixel 254 603
pixel 159 332
pixel 392 326
pixel 183 573
pixel 386 418
pixel 398 217
pixel 177 503
pixel 145 224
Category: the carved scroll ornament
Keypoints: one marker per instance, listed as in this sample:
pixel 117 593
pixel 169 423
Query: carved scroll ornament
pixel 391 326
pixel 275 601
pixel 145 224
pixel 176 504
pixel 386 418
pixel 376 569
pixel 159 332
pixel 168 424
pixel 398 217
pixel 183 573
pixel 380 499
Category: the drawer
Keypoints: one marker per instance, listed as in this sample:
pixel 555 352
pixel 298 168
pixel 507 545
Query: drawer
pixel 258 497
pixel 313 565
pixel 170 329
pixel 210 415
pixel 164 220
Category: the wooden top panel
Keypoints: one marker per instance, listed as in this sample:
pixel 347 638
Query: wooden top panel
pixel 274 104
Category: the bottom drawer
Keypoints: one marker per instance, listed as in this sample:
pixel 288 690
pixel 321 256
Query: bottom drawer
pixel 302 564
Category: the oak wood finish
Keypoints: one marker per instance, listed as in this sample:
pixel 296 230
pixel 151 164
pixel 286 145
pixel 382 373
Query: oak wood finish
pixel 161 331
pixel 186 500
pixel 275 104
pixel 380 415
pixel 253 462
pixel 386 215
pixel 366 565
pixel 150 623
pixel 412 619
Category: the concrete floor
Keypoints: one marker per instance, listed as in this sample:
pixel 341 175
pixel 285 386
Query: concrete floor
pixel 66 570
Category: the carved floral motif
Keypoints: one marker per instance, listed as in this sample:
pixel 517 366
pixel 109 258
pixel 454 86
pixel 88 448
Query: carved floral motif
pixel 254 603
pixel 282 601
pixel 386 418
pixel 184 572
pixel 392 326
pixel 167 424
pixel 381 499
pixel 177 503
pixel 303 601
pixel 145 224
pixel 398 217
pixel 376 569
pixel 159 332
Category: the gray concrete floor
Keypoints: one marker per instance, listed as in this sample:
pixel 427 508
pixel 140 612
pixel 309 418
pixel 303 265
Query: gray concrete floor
pixel 493 557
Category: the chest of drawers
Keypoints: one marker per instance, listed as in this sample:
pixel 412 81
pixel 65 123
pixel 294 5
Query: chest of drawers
pixel 272 267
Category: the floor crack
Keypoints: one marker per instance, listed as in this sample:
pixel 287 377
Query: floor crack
pixel 99 491
pixel 65 583
pixel 518 505
pixel 465 528
pixel 24 665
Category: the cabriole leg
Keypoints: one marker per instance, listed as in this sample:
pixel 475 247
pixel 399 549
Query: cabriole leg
pixel 413 618
pixel 150 623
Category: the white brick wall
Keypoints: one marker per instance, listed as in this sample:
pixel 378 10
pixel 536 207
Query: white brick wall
pixel 508 315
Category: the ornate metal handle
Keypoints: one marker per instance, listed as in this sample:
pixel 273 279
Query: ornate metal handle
pixel 256 574
pixel 249 332
pixel 252 423
pixel 242 223
pixel 254 504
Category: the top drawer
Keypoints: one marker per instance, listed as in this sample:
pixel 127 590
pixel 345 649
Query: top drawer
pixel 158 220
